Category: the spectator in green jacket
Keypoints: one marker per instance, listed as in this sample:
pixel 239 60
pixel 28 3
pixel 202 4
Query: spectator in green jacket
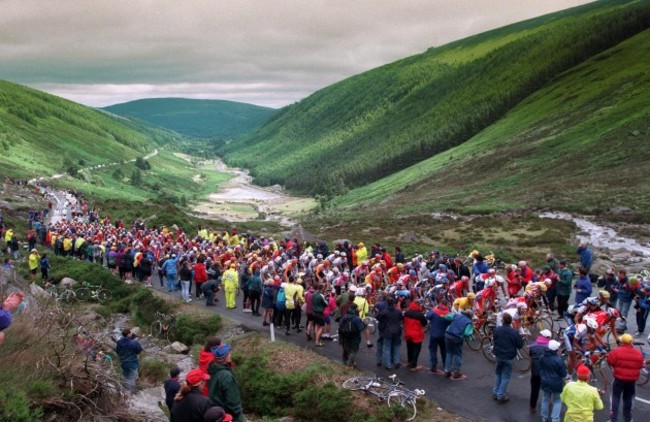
pixel 223 389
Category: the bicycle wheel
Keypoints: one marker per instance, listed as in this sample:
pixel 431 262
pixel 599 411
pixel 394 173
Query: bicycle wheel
pixel 67 296
pixel 157 329
pixel 357 383
pixel 406 401
pixel 103 295
pixel 474 343
pixel 644 376
pixel 488 328
pixel 83 294
pixel 599 379
pixel 170 333
pixel 488 349
pixel 522 362
pixel 541 323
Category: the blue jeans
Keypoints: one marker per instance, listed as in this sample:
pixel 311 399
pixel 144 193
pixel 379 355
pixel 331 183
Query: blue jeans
pixel 379 350
pixel 502 375
pixel 185 289
pixel 625 308
pixel 391 351
pixel 628 390
pixel 434 344
pixel 454 358
pixel 171 281
pixel 130 374
pixel 549 397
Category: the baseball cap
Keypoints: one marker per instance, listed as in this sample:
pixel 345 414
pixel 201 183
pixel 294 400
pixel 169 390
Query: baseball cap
pixel 583 373
pixel 221 350
pixel 216 414
pixel 626 338
pixel 195 376
pixel 546 333
pixel 553 345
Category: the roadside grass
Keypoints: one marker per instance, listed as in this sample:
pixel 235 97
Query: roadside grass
pixel 279 379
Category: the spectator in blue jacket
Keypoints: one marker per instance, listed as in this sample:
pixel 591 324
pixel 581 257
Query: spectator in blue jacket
pixel 585 256
pixel 437 326
pixel 582 286
pixel 128 349
pixel 552 372
pixel 460 327
pixel 507 341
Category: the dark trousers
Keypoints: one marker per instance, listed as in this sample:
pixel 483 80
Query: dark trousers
pixel 627 389
pixel 550 295
pixel 562 304
pixel 641 318
pixel 434 344
pixel 413 352
pixel 255 301
pixel 535 384
pixel 209 295
pixel 292 316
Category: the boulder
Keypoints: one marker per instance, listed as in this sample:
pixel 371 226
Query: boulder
pixel 38 291
pixel 67 281
pixel 179 347
pixel 136 331
pixel 408 238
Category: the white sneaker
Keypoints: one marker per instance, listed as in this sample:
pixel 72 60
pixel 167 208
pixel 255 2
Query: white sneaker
pixel 188 300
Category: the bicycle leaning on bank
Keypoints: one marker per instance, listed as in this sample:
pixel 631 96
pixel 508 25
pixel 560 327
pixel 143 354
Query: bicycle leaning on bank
pixel 164 327
pixel 393 392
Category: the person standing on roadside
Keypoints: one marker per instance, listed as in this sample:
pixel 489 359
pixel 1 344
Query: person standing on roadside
pixel 185 275
pixel 128 349
pixel 350 328
pixel 580 398
pixel 223 389
pixel 537 351
pixel 45 267
pixel 414 323
pixel 231 285
pixel 585 256
pixel 318 305
pixel 189 404
pixel 390 327
pixel 172 386
pixel 583 286
pixel 626 362
pixel 438 324
pixel 460 328
pixel 200 276
pixel 552 372
pixel 33 262
pixel 255 289
pixel 563 288
pixel 507 341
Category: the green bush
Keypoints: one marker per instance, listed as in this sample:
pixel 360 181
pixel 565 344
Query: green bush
pixel 154 371
pixel 196 329
pixel 14 406
pixel 144 305
pixel 326 403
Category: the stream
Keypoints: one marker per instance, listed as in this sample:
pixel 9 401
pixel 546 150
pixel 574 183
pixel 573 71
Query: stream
pixel 625 250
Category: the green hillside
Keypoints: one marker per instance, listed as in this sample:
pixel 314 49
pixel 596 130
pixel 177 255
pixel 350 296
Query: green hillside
pixel 390 118
pixel 197 118
pixel 582 143
pixel 41 134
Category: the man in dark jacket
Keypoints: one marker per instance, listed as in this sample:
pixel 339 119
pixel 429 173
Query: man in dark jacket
pixel 128 349
pixel 350 341
pixel 172 386
pixel 537 351
pixel 437 326
pixel 627 362
pixel 223 389
pixel 563 289
pixel 552 373
pixel 390 327
pixel 506 343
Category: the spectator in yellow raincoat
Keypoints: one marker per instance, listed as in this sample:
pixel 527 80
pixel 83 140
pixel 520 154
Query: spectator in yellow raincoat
pixel 580 398
pixel 230 281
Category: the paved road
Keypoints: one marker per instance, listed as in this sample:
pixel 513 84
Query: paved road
pixel 471 398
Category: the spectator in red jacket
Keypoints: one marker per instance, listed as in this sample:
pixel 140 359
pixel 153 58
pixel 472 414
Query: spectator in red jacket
pixel 200 276
pixel 626 362
pixel 414 323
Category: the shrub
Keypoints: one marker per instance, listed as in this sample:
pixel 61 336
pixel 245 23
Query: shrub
pixel 196 329
pixel 154 371
pixel 14 406
pixel 326 403
pixel 144 305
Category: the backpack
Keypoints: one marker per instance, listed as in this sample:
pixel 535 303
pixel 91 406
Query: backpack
pixel 281 300
pixel 347 328
pixel 111 260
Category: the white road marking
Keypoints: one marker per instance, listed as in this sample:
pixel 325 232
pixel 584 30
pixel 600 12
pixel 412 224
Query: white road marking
pixel 643 400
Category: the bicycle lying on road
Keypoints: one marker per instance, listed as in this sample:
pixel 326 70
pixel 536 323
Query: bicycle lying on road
pixel 393 392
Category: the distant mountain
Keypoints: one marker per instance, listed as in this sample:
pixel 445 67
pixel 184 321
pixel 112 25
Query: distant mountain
pixel 388 119
pixel 197 118
pixel 41 133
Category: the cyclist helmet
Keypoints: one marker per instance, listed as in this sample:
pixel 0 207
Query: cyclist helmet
pixel 400 265
pixel 591 323
pixel 413 272
pixel 593 301
pixel 490 282
pixel 613 313
pixel 522 306
pixel 471 295
pixel 581 329
pixel 604 294
pixel 364 263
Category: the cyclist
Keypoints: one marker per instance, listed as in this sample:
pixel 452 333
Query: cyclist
pixel 606 320
pixel 459 288
pixel 590 305
pixel 582 338
pixel 512 278
pixel 463 303
pixel 487 298
pixel 517 312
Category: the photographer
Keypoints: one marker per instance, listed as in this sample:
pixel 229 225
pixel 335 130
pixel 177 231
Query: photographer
pixel 128 349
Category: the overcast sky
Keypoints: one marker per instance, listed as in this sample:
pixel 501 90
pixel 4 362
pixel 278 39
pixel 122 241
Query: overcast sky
pixel 266 52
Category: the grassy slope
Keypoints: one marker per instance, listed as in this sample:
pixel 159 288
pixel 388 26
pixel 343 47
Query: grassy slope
pixel 197 118
pixel 38 131
pixel 387 119
pixel 581 144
